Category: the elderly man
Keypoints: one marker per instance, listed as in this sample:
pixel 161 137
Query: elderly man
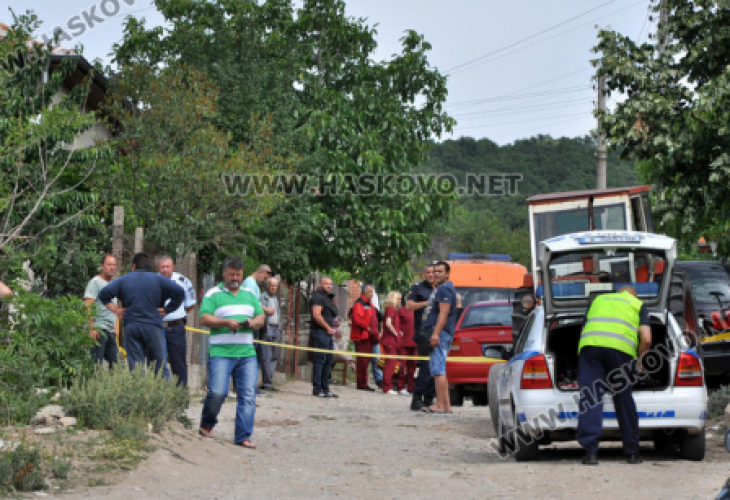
pixel 174 323
pixel 232 314
pixel 616 330
pixel 272 333
pixel 364 331
pixel 101 326
pixel 146 297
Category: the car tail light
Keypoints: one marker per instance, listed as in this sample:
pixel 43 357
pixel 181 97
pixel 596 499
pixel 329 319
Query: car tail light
pixel 535 374
pixel 455 347
pixel 689 371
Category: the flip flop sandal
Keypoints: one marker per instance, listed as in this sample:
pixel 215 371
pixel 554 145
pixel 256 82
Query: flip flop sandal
pixel 247 444
pixel 206 432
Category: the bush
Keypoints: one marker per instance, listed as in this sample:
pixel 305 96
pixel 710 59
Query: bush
pixel 45 343
pixel 718 401
pixel 20 470
pixel 107 398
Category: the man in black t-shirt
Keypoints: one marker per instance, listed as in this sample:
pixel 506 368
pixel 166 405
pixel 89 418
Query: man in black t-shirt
pixel 425 390
pixel 322 329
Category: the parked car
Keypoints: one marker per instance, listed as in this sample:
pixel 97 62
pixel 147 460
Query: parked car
pixel 484 329
pixel 534 397
pixel 710 282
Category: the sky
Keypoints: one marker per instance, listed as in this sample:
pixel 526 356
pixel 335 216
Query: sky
pixel 516 68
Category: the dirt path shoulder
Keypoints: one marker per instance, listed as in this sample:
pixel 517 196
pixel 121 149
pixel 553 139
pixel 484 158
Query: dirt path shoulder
pixel 369 445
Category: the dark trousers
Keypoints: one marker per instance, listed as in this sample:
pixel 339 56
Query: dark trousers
pixel 594 365
pixel 363 362
pixel 177 349
pixel 268 357
pixel 142 340
pixel 322 368
pixel 424 382
pixel 106 348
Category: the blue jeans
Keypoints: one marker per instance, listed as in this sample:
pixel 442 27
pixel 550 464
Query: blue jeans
pixel 440 353
pixel 322 367
pixel 144 341
pixel 377 372
pixel 245 372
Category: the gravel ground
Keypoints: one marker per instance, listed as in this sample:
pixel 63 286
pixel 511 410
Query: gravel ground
pixel 369 445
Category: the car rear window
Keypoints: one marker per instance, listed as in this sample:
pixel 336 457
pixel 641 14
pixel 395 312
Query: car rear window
pixel 494 315
pixel 709 282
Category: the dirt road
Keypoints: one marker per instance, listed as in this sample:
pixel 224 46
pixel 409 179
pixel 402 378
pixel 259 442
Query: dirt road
pixel 369 445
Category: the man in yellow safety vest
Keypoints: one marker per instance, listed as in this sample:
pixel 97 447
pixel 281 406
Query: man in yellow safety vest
pixel 616 331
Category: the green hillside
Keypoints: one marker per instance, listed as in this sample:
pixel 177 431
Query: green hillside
pixel 498 224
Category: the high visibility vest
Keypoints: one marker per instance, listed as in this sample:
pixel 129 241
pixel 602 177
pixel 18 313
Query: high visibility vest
pixel 613 321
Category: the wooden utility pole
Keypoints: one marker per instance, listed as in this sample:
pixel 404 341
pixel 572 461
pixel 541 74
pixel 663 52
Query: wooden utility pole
pixel 138 240
pixel 663 18
pixel 118 237
pixel 601 149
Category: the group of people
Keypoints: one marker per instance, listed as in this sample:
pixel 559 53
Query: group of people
pixel 423 324
pixel 153 309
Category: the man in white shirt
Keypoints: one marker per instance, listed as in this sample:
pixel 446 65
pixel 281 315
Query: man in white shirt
pixel 174 323
pixel 271 333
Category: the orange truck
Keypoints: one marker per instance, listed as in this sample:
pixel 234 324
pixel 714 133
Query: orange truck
pixel 487 284
pixel 485 277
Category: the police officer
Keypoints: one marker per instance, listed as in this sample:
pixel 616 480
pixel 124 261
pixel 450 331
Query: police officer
pixel 174 323
pixel 616 330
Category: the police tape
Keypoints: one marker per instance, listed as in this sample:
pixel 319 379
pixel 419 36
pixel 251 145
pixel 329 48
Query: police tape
pixel 464 359
pixel 716 338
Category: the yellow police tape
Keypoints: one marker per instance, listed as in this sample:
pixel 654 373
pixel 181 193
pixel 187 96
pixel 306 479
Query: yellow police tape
pixel 473 360
pixel 716 338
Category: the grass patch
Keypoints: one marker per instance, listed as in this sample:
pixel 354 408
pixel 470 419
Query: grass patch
pixel 718 400
pixel 108 398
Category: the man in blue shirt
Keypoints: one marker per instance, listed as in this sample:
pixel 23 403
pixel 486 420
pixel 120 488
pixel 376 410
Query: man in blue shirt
pixel 143 294
pixel 440 316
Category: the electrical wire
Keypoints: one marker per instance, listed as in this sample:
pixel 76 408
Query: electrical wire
pixel 501 124
pixel 516 110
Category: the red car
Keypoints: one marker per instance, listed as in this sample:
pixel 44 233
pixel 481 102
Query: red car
pixel 484 329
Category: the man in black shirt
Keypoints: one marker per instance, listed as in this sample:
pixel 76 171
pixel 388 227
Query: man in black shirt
pixel 322 329
pixel 425 390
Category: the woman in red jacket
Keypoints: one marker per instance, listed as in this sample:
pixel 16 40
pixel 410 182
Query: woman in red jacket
pixel 407 347
pixel 390 340
pixel 362 334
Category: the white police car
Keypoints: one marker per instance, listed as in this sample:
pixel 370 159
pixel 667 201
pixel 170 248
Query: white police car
pixel 534 397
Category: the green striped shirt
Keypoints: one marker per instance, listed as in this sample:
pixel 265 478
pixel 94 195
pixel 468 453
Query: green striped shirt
pixel 221 303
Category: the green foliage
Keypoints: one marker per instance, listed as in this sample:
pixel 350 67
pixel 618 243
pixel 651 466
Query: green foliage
pixel 47 344
pixel 499 224
pixel 46 199
pixel 60 468
pixel 173 156
pixel 310 71
pixel 676 117
pixel 718 400
pixel 21 470
pixel 109 399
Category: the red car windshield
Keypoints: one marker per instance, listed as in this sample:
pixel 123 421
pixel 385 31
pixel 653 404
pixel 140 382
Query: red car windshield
pixel 488 315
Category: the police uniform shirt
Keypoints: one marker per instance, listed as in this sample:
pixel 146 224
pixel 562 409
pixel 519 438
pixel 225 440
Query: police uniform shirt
pixel 189 300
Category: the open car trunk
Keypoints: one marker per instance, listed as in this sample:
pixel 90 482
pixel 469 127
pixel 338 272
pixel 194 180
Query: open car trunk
pixel 562 343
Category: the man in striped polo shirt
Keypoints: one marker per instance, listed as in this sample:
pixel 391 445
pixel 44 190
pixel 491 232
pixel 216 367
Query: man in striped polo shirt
pixel 231 313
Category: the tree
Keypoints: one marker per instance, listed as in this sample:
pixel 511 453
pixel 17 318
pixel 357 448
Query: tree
pixel 311 71
pixel 676 116
pixel 172 158
pixel 45 195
